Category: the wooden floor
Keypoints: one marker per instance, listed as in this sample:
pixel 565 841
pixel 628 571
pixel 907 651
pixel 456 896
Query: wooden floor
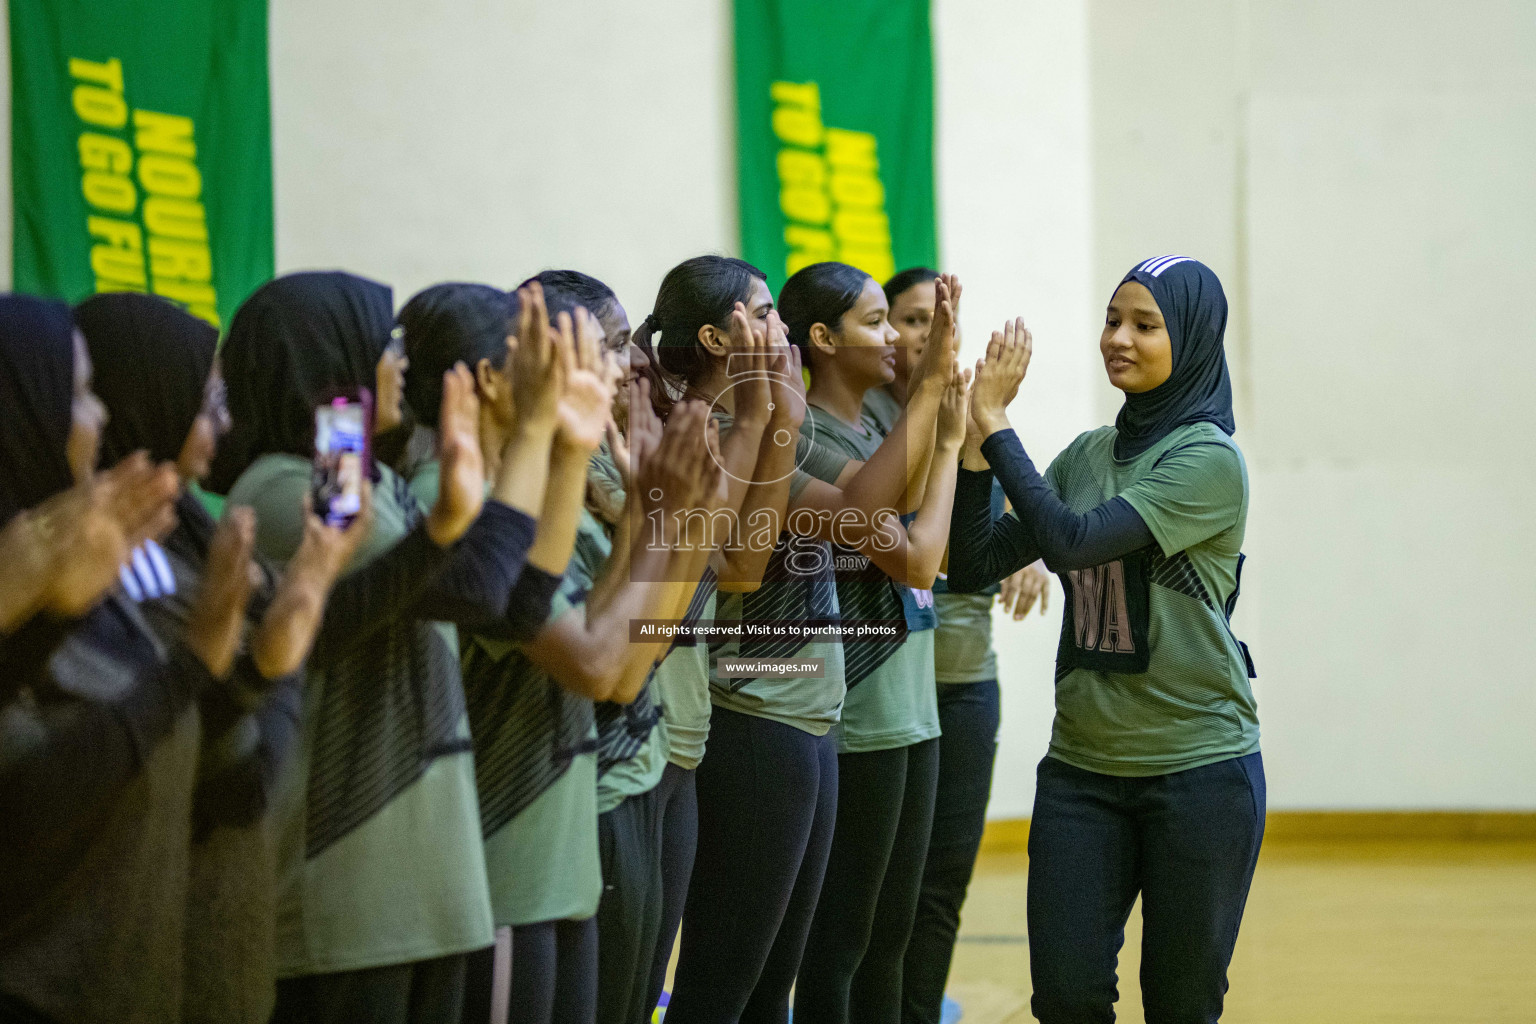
pixel 1406 932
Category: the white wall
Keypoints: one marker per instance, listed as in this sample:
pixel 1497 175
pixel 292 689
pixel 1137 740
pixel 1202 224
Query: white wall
pixel 489 140
pixel 1358 173
pixel 1391 398
pixel 1015 218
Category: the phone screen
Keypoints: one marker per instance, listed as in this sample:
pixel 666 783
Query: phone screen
pixel 341 459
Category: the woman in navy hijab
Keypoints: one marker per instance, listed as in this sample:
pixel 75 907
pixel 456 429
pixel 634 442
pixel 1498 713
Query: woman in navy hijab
pixel 1153 784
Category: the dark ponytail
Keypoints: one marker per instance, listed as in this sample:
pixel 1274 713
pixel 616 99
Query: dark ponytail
pixel 698 291
pixel 818 294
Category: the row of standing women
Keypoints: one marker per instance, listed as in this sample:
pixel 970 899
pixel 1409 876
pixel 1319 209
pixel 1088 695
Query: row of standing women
pixel 423 769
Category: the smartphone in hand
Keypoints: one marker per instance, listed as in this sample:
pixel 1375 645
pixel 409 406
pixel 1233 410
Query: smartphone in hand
pixel 343 456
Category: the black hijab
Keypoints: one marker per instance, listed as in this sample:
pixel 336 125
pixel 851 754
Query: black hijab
pixel 152 360
pixel 37 388
pixel 1198 389
pixel 294 341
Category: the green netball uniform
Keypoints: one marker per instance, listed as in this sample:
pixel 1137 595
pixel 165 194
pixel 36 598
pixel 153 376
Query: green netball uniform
pixel 1154 757
pixel 797 585
pixel 962 645
pixel 1192 705
pixel 344 906
pixel 681 686
pixel 542 861
pixel 891 700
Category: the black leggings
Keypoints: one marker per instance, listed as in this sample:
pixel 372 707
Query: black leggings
pixel 767 801
pixel 968 714
pixel 679 840
pixel 853 961
pixel 554 975
pixel 1187 842
pixel 629 916
pixel 422 992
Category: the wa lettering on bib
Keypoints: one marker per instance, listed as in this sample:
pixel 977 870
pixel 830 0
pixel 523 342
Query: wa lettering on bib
pixel 1104 627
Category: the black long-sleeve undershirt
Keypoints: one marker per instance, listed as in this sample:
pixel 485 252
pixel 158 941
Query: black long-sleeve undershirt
pixel 476 587
pixel 983 551
pixel 240 793
pixel 470 584
pixel 257 746
pixel 71 757
pixel 1068 540
pixel 527 606
pixel 365 602
pixel 482 581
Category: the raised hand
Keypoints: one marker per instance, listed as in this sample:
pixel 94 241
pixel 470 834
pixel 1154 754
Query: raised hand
pixel 954 410
pixel 1018 346
pixel 586 398
pixel 538 365
pixel 970 452
pixel 636 443
pixel 999 376
pixel 972 431
pixel 788 375
pixel 939 350
pixel 671 476
pixel 217 621
pixel 89 530
pixel 644 432
pixel 327 550
pixel 619 449
pixel 281 643
pixel 461 491
pixel 749 364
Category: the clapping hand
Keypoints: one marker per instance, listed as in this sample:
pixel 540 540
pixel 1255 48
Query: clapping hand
pixel 287 631
pixel 538 366
pixel 673 476
pixel 461 491
pixel 327 550
pixel 999 375
pixel 89 530
pixel 586 397
pixel 939 351
pixel 788 376
pixel 953 410
pixel 217 621
pixel 644 428
pixel 749 362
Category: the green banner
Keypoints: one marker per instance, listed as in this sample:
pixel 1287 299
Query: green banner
pixel 141 153
pixel 834 103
